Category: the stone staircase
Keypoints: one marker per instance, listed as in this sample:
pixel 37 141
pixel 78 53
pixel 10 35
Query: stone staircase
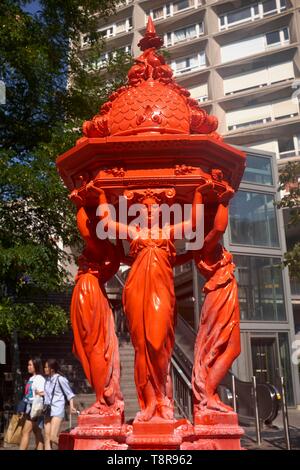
pixel 84 400
pixel 127 379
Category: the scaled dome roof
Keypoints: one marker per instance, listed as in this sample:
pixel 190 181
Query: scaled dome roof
pixel 151 102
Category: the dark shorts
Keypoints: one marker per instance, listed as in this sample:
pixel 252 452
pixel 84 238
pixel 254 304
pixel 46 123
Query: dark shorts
pixel 39 421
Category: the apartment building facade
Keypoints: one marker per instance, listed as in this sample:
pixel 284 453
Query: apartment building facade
pixel 241 60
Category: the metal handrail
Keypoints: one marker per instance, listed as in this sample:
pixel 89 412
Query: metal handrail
pixel 182 391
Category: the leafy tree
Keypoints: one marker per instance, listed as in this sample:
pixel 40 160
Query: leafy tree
pixel 289 183
pixel 50 90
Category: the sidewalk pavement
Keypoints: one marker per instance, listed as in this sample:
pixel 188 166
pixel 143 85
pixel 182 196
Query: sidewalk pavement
pixel 272 437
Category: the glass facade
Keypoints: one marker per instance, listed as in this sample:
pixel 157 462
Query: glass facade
pixel 253 219
pixel 261 293
pixel 258 170
pixel 285 362
pixel 270 357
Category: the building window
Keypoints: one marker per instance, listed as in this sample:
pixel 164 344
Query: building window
pixel 258 170
pixel 101 62
pixel 124 3
pixel 121 27
pixel 261 294
pixel 238 16
pixel 199 92
pixel 253 220
pixel 85 40
pixel 259 77
pixel 273 6
pixel 126 49
pixel 286 34
pixel 183 34
pixel 171 9
pixel 118 28
pixel 295 291
pixel 158 13
pixel 105 57
pixel 182 5
pixel 275 38
pixel 249 116
pixel 188 64
pixel 250 13
pixel 269 6
pixel 254 45
pixel 107 32
pixel 287 147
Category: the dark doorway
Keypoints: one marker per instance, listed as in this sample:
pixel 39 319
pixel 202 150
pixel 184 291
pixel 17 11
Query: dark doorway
pixel 264 360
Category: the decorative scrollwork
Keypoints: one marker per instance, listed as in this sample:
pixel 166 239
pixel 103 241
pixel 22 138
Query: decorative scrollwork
pixel 117 172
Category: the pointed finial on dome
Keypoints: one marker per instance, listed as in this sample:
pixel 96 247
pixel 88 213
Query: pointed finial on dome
pixel 150 29
pixel 150 38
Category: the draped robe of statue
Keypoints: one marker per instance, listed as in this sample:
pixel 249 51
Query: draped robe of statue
pixel 95 340
pixel 217 342
pixel 149 301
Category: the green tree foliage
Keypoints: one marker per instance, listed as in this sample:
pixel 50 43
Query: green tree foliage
pixel 50 89
pixel 289 182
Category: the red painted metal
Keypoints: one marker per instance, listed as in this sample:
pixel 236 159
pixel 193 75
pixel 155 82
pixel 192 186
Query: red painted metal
pixel 152 143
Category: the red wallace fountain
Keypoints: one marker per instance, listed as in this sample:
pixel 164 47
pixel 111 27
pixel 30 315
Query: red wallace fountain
pixel 151 143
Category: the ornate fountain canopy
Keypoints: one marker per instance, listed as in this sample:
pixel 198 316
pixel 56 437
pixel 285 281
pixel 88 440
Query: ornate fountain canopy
pixel 151 101
pixel 151 119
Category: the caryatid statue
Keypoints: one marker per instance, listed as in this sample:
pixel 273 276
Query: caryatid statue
pixel 218 340
pixel 95 341
pixel 149 297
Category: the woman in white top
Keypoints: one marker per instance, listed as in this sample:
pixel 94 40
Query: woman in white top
pixel 34 386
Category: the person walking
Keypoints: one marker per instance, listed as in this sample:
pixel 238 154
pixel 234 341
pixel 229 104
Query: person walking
pixel 57 391
pixel 34 386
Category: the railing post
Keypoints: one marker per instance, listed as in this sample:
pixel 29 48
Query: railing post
pixel 285 417
pixel 191 405
pixel 182 390
pixel 233 392
pixel 255 404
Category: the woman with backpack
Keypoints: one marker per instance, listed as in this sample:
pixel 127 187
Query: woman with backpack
pixel 57 391
pixel 33 388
